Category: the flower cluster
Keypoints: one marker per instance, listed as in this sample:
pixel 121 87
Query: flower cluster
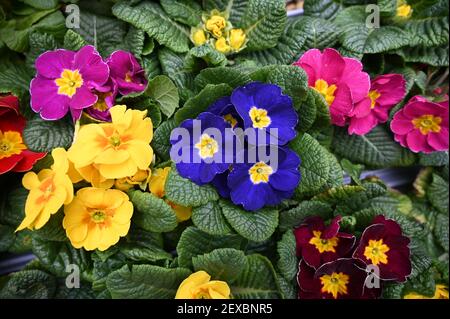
pixel 217 31
pixel 226 160
pixel 14 154
pixel 76 81
pixel 353 99
pixel 333 266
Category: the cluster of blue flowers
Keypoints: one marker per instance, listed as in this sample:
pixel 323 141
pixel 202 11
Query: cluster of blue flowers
pixel 241 165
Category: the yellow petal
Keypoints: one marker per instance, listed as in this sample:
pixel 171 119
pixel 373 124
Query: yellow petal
pixel 194 280
pixel 73 174
pixel 141 153
pixel 93 238
pixel 123 214
pixel 30 180
pixel 77 233
pixel 218 289
pixel 75 213
pixel 92 197
pixel 120 229
pixel 142 130
pixel 112 156
pixel 60 162
pixel 109 239
pixel 113 171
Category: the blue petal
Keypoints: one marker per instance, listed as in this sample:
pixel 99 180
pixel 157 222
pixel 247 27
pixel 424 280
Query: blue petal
pixel 220 182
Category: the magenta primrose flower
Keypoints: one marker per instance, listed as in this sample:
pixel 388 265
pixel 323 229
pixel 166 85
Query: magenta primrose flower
pixel 422 125
pixel 126 72
pixel 385 92
pixel 64 81
pixel 106 100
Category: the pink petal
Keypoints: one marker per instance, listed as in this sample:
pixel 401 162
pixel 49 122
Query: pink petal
pixel 417 109
pixel 83 98
pixel 91 66
pixel 342 105
pixel 311 62
pixel 401 126
pixel 439 141
pixel 357 80
pixel 51 63
pixel 401 139
pixel 417 142
pixel 362 108
pixel 45 99
pixel 392 88
pixel 362 126
pixel 332 66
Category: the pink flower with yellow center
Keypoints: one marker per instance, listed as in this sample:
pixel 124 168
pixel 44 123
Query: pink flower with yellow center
pixel 338 79
pixel 422 125
pixel 97 218
pixel 50 189
pixel 64 81
pixel 385 92
pixel 117 149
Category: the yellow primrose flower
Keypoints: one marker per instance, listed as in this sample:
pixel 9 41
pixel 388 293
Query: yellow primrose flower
pixel 117 149
pixel 92 175
pixel 183 213
pixel 237 38
pixel 441 292
pixel 215 24
pixel 403 9
pixel 222 46
pixel 198 36
pixel 141 178
pixel 199 286
pixel 158 181
pixel 97 218
pixel 49 190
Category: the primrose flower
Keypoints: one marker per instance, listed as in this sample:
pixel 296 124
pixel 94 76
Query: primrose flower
pixel 404 10
pixel 222 45
pixel 117 149
pixel 200 286
pixel 203 156
pixel 223 107
pixel 106 96
pixel 441 292
pixel 340 279
pixel 49 190
pixel 14 154
pixel 215 25
pixel 198 36
pixel 126 72
pixel 97 218
pixel 237 39
pixel 385 92
pixel 264 107
pixel 422 125
pixel 338 79
pixel 141 178
pixel 382 244
pixel 264 182
pixel 64 81
pixel 318 244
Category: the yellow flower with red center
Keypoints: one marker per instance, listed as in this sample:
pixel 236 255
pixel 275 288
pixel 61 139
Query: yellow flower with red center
pixel 323 245
pixel 200 286
pixel 49 190
pixel 335 284
pixel 117 149
pixel 97 218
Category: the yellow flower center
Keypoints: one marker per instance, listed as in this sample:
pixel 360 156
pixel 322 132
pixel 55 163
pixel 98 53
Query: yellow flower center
pixel 221 45
pixel 207 146
pixel 237 38
pixel 376 251
pixel 215 25
pixel 199 37
pixel 260 173
pixel 201 293
pixel 69 82
pixel 326 90
pixel 128 78
pixel 323 245
pixel 115 140
pixel 428 123
pixel 373 95
pixel 101 104
pixel 404 11
pixel 259 117
pixel 230 119
pixel 11 144
pixel 98 216
pixel 334 284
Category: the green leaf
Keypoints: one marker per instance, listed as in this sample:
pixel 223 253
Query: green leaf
pixel 429 31
pixel 209 218
pixel 353 170
pixel 435 56
pixel 256 226
pixel 185 11
pixel 287 262
pixel 39 43
pixel 53 229
pixel 15 78
pixel 164 91
pixel 288 289
pixel 420 260
pixel 43 136
pixel 423 284
pixel 235 8
pixel 293 217
pixel 315 166
pixel 83 292
pixel 41 4
pixel 194 242
pixel 173 65
pixel 230 76
pixel 199 103
pixel 223 264
pixel 29 284
pixel 152 213
pixel 437 193
pixel 135 41
pixel 151 18
pixel 376 149
pixel 56 256
pixel 161 139
pixel 392 290
pixel 257 280
pixel 7 237
pixel 358 200
pixel 208 54
pixel 319 33
pixel 144 254
pixel 105 33
pixel 336 176
pixel 441 230
pixel 145 282
pixel 73 41
pixel 183 192
pixel 326 9
pixel 14 212
pixel 434 159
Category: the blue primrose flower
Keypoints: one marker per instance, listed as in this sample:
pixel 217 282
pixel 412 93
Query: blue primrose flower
pixel 266 180
pixel 202 148
pixel 264 107
pixel 225 109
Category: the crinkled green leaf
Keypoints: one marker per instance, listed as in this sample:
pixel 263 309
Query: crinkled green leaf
pixel 287 288
pixel 7 237
pixel 434 159
pixel 287 263
pixel 209 218
pixel 429 31
pixel 422 284
pixel 435 56
pixel 41 4
pixel 29 284
pixel 15 78
pixel 173 66
pixel 322 8
pixel 224 264
pixel 437 193
pixel 230 76
pixel 135 41
pixel 161 139
pixel 164 91
pixel 145 282
pixel 320 33
pixel 295 216
pixel 204 53
pixel 53 229
pixel 73 41
pixel 185 11
pixel 256 226
pixel 39 43
pixel 441 230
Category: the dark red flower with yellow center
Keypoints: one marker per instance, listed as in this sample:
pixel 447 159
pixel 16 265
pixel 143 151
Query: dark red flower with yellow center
pixel 318 244
pixel 339 279
pixel 383 245
pixel 14 155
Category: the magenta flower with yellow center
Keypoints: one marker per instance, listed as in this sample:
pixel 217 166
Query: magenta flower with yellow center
pixel 97 218
pixel 117 149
